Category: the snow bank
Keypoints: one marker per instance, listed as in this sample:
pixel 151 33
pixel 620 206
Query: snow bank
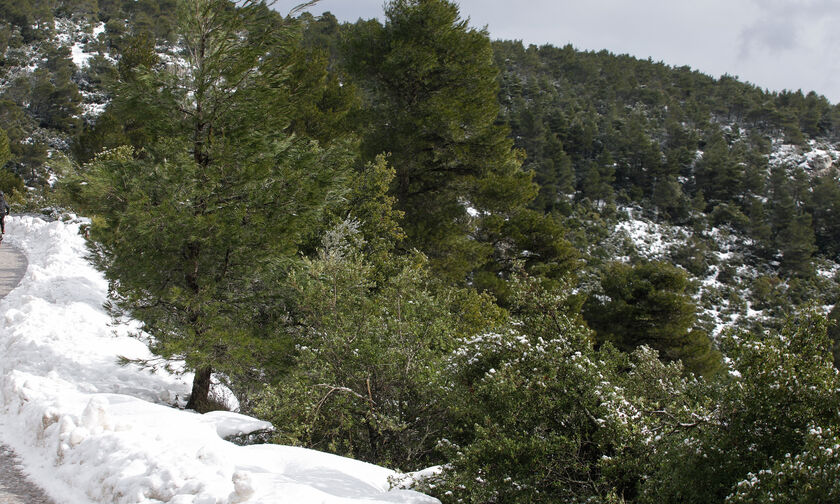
pixel 89 430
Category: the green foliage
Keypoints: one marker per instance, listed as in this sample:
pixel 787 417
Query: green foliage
pixel 368 379
pixel 542 416
pixel 78 9
pixel 719 172
pixel 330 101
pixel 370 203
pixel 191 228
pixel 833 333
pixel 33 18
pixel 260 211
pixel 528 241
pixel 11 184
pixel 431 88
pixel 5 151
pixel 729 215
pixel 780 386
pixel 55 100
pixel 528 409
pixel 137 51
pixel 664 137
pixel 648 305
pixel 811 476
pixel 597 179
pixel 670 200
pixel 826 213
pixel 797 245
pixel 696 256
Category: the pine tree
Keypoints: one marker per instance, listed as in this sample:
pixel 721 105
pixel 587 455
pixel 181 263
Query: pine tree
pixel 669 199
pixel 597 180
pixel 719 173
pixel 797 244
pixel 190 227
pixel 433 106
pixel 55 99
pixel 826 211
pixel 648 305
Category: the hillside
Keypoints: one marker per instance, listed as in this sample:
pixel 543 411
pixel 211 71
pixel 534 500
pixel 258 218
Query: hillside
pixel 696 156
pixel 560 275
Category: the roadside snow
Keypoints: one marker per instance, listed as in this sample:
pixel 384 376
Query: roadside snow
pixel 92 431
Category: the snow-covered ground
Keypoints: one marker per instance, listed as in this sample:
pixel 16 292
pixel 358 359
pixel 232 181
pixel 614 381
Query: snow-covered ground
pixel 91 430
pixel 817 158
pixel 659 241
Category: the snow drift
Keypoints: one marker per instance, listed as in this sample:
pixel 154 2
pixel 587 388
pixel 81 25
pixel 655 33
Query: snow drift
pixel 91 430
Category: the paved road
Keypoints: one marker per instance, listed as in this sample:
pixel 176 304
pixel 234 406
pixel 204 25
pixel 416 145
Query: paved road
pixel 14 488
pixel 12 267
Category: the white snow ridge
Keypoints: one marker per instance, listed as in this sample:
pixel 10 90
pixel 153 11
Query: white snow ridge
pixel 89 430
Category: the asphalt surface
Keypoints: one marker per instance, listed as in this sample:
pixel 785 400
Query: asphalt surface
pixel 12 267
pixel 14 487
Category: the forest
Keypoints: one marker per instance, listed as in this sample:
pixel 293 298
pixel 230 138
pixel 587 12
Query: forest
pixel 396 241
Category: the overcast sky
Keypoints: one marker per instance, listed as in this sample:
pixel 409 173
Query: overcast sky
pixel 775 44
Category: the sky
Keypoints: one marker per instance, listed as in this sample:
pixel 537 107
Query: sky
pixel 774 44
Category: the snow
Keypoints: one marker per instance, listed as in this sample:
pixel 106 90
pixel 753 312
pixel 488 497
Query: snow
pixel 658 241
pixel 90 430
pixel 816 158
pixel 98 30
pixel 79 55
pixel 646 236
pixel 229 424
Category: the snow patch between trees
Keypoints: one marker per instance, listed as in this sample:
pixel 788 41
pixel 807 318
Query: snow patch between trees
pixel 90 430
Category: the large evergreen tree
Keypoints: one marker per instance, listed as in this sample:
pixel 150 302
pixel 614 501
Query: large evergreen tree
pixel 433 107
pixel 648 305
pixel 190 226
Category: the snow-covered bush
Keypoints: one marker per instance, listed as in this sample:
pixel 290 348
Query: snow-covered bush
pixel 544 416
pixel 778 387
pixel 368 378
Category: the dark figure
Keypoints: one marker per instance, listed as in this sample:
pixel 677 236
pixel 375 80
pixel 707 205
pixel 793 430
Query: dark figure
pixel 4 211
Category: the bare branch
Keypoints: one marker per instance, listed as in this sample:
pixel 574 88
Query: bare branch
pixel 334 388
pixel 302 7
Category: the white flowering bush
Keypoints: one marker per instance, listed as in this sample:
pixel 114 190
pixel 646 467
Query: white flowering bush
pixel 761 413
pixel 809 477
pixel 544 416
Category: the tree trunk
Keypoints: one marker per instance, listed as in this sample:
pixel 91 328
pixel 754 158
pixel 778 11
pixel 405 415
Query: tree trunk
pixel 200 390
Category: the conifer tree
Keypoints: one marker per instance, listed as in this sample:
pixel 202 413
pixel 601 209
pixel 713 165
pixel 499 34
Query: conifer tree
pixel 598 177
pixel 433 106
pixel 648 305
pixel 190 227
pixel 797 244
pixel 826 211
pixel 719 173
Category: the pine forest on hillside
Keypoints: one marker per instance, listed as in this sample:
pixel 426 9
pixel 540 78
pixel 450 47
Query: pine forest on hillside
pixel 559 275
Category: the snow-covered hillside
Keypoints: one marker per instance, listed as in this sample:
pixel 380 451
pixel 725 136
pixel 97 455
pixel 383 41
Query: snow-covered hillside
pixel 90 430
pixel 817 157
pixel 723 291
pixel 656 241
